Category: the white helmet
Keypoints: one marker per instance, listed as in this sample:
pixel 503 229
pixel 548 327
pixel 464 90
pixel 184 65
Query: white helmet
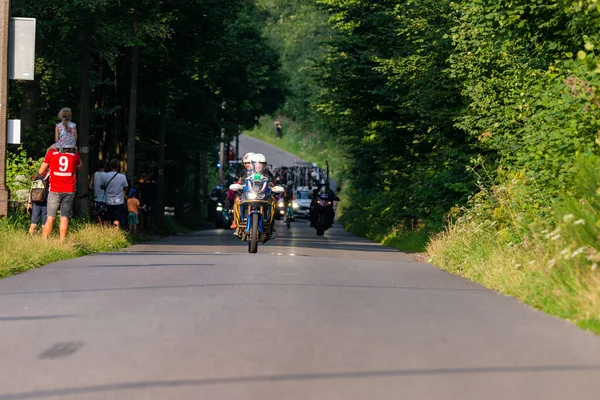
pixel 259 163
pixel 259 158
pixel 248 157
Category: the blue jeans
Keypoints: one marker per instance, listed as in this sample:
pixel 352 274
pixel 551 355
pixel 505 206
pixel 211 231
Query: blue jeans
pixel 39 210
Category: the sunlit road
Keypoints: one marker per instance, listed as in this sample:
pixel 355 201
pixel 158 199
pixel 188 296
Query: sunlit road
pixel 197 317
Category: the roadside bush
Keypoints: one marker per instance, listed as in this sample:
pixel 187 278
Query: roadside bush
pixel 20 169
pixel 547 257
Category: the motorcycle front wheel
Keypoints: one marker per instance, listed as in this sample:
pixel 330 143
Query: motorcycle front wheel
pixel 321 225
pixel 253 244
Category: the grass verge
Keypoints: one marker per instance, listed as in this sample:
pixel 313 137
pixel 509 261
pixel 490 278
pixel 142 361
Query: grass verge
pixel 20 252
pixel 549 262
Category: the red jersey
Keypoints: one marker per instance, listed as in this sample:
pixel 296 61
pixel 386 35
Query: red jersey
pixel 62 171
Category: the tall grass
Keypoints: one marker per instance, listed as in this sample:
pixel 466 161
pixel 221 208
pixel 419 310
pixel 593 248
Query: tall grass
pixel 19 252
pixel 549 261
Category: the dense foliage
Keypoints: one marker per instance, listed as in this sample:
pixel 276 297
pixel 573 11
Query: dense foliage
pixel 422 93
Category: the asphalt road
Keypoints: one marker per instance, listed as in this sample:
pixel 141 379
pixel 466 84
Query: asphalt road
pixel 338 317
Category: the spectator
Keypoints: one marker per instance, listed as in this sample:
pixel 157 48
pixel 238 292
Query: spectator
pixel 38 206
pixel 278 128
pixel 133 206
pixel 115 186
pixel 95 182
pixel 65 132
pixel 148 199
pixel 63 165
pixel 98 200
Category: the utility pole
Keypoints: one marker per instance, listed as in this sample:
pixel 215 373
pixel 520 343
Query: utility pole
pixel 4 29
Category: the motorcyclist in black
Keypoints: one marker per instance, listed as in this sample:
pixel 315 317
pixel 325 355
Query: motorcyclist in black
pixel 323 192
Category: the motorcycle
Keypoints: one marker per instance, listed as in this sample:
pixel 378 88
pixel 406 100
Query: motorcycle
pixel 322 213
pixel 256 210
pixel 284 211
pixel 224 217
pixel 280 209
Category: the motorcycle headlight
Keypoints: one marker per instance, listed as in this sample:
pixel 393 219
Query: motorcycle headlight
pixel 295 205
pixel 280 204
pixel 252 196
pixel 261 196
pixel 219 208
pixel 219 205
pixel 330 202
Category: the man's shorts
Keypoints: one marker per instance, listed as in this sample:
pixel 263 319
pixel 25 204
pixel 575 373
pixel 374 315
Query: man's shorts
pixel 39 210
pixel 116 213
pixel 133 218
pixel 64 201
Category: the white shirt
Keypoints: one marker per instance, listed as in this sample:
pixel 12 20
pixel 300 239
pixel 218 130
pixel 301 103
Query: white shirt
pixel 98 193
pixel 113 194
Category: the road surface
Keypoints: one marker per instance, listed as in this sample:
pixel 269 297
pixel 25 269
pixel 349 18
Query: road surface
pixel 338 317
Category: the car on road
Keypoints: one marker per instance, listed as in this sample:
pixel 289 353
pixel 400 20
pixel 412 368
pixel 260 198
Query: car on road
pixel 302 200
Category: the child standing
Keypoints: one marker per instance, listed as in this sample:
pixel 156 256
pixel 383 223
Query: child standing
pixel 133 206
pixel 65 133
pixel 37 204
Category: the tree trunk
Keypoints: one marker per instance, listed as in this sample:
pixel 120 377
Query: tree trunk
pixel 159 212
pixel 83 131
pixel 28 105
pixel 131 126
pixel 205 192
pixel 197 174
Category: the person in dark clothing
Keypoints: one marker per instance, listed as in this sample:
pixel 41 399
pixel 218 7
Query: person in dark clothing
pixel 148 198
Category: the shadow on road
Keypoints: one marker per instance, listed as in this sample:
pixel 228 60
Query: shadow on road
pixel 248 284
pixel 297 377
pixel 36 317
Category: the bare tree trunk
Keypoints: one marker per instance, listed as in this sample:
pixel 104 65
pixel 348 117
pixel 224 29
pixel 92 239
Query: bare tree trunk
pixel 83 201
pixel 205 192
pixel 28 105
pixel 197 174
pixel 159 213
pixel 131 126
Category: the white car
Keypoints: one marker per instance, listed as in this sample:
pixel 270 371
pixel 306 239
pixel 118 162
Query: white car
pixel 302 201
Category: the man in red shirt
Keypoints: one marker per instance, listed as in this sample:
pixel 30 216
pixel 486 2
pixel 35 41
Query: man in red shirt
pixel 63 165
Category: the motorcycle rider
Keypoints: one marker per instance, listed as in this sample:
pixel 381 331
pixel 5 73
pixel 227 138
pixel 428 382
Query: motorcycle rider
pixel 247 161
pixel 322 191
pixel 259 165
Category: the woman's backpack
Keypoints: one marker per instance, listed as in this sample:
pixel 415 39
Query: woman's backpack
pixel 39 190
